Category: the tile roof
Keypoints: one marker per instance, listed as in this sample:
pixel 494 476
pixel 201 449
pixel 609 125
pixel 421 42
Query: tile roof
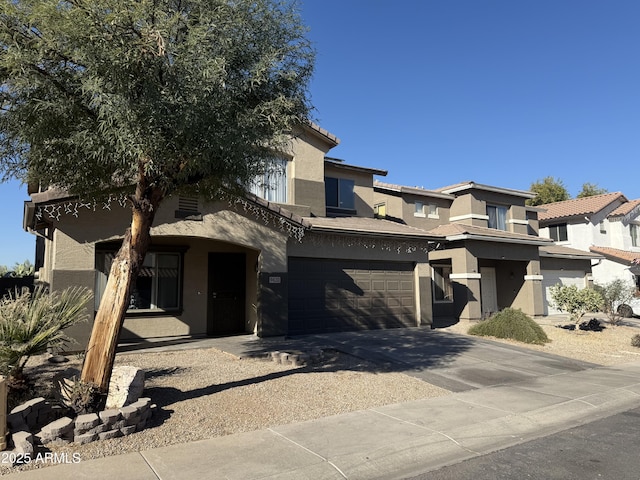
pixel 363 225
pixel 625 208
pixel 578 206
pixel 462 186
pixel 566 252
pixel 457 229
pixel 621 256
pixel 413 190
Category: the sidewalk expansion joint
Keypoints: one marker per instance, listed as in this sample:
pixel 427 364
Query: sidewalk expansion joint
pixel 310 451
pixel 427 429
pixel 150 466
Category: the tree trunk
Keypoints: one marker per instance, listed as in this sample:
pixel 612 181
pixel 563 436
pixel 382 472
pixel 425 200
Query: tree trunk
pixel 101 350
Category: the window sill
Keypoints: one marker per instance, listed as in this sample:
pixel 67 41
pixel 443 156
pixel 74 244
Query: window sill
pixel 421 215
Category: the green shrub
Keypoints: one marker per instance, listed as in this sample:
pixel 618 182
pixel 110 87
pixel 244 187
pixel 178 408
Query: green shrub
pixel 576 301
pixel 513 324
pixel 635 341
pixel 31 322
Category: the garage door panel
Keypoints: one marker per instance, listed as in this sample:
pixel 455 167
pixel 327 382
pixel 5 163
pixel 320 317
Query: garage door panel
pixel 563 277
pixel 349 295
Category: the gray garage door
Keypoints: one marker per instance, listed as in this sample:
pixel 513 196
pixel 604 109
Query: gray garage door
pixel 342 295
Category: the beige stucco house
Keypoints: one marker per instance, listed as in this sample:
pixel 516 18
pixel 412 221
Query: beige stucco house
pixel 491 256
pixel 305 254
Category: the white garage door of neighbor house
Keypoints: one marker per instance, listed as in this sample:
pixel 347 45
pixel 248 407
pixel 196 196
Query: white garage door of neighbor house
pixel 564 277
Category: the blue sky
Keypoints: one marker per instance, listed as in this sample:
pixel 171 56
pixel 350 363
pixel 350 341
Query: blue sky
pixel 501 92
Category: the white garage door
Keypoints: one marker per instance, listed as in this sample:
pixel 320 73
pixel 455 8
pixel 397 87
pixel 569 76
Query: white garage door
pixel 564 277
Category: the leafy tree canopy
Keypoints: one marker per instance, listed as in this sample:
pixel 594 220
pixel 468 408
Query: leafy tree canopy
pixel 548 190
pixel 591 189
pixel 195 93
pixel 163 95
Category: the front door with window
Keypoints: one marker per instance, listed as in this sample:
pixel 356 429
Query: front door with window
pixel 226 304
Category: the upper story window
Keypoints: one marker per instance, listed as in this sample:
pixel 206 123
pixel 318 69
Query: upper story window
pixel 603 228
pixel 272 184
pixel 433 211
pixel 339 194
pixel 635 231
pixel 558 232
pixel 426 209
pixel 497 217
pixel 380 210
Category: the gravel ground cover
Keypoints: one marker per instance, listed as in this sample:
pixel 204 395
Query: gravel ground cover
pixel 206 393
pixel 609 347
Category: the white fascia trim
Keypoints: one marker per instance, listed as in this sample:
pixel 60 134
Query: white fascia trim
pixel 534 277
pixel 467 276
pixel 469 216
pixel 518 222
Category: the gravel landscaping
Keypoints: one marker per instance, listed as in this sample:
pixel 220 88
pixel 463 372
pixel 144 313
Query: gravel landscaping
pixel 205 393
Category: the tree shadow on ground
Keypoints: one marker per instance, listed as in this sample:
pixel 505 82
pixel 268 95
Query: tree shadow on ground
pixel 397 350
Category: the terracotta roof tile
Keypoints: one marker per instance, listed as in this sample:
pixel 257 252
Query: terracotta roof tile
pixel 621 256
pixel 578 206
pixel 625 208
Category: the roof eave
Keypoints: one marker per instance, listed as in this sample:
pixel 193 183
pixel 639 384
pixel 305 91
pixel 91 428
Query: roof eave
pixel 487 238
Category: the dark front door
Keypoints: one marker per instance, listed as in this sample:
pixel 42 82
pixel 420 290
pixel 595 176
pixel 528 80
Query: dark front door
pixel 226 305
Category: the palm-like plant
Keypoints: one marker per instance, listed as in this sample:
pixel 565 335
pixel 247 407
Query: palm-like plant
pixel 32 322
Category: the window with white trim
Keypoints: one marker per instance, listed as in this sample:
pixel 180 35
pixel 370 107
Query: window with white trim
pixel 157 287
pixel 419 210
pixel 497 217
pixel 635 231
pixel 433 211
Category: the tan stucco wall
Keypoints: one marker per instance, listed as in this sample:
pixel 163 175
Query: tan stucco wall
pixel 471 209
pixel 513 263
pixel 70 260
pixel 306 170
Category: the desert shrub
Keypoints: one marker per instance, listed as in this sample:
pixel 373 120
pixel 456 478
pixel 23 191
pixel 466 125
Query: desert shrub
pixel 615 293
pixel 576 301
pixel 635 341
pixel 513 324
pixel 30 322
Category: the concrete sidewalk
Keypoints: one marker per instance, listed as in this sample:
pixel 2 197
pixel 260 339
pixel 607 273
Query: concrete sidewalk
pixel 390 442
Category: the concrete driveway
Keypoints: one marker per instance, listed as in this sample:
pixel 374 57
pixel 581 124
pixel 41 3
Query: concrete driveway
pixel 448 360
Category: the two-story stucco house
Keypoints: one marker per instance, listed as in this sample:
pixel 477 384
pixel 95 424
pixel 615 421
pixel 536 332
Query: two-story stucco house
pixel 606 225
pixel 304 255
pixel 492 257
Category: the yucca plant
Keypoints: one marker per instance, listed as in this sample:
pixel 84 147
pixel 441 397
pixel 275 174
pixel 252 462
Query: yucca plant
pixel 30 322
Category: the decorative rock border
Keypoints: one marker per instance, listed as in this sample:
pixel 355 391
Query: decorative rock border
pixel 51 426
pixel 297 359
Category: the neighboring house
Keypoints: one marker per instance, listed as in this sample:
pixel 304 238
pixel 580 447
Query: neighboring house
pixel 607 226
pixel 490 258
pixel 305 255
